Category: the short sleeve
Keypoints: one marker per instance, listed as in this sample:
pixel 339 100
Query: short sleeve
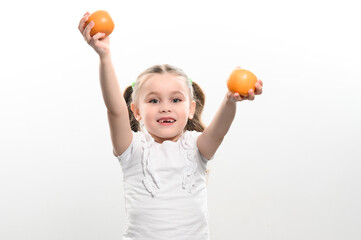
pixel 127 155
pixel 194 136
pixel 203 158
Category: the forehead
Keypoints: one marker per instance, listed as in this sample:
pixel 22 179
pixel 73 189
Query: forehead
pixel 164 83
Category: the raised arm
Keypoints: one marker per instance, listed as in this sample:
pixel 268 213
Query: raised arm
pixel 117 110
pixel 209 141
pixel 120 131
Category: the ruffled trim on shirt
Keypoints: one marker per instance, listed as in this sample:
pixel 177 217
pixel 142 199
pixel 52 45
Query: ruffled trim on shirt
pixel 150 180
pixel 190 152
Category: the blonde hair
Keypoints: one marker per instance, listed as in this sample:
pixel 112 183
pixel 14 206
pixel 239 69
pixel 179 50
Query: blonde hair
pixel 196 94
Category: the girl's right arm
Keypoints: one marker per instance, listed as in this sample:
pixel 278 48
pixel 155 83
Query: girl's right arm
pixel 117 110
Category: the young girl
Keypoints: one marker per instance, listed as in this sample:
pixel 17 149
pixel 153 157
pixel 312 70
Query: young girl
pixel 162 146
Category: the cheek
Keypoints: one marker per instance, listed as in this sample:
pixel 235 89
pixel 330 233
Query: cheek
pixel 184 109
pixel 147 112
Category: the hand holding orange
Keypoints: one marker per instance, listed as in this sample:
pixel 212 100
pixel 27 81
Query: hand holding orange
pixel 241 81
pixel 102 23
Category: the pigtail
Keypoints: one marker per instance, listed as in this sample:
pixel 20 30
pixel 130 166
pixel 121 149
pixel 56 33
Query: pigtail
pixel 134 124
pixel 196 124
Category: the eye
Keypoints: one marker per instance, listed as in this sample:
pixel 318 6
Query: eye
pixel 154 101
pixel 175 100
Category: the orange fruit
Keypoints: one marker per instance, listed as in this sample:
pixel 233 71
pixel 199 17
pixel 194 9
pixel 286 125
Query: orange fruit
pixel 241 81
pixel 103 23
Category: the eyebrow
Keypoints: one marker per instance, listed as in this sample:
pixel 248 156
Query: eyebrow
pixel 157 93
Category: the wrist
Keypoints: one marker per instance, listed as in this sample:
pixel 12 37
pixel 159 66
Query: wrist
pixel 229 100
pixel 105 58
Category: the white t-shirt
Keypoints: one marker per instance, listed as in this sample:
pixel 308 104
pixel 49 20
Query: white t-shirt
pixel 165 189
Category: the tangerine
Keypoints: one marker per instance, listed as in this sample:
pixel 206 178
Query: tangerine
pixel 102 23
pixel 241 81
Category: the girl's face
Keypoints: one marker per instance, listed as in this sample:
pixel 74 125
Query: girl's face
pixel 164 105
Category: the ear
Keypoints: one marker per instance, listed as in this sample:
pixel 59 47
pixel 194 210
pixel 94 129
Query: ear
pixel 192 109
pixel 135 111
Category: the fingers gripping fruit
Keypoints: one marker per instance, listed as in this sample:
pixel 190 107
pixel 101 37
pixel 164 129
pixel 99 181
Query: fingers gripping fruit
pixel 102 23
pixel 241 81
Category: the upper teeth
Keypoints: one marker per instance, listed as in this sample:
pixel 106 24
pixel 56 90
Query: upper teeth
pixel 170 121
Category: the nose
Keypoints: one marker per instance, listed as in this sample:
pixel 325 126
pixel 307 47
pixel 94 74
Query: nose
pixel 165 108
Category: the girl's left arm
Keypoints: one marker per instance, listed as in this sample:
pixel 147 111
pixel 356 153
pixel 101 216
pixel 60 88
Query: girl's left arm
pixel 209 141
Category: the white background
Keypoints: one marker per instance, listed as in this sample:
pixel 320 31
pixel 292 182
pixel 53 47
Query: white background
pixel 288 169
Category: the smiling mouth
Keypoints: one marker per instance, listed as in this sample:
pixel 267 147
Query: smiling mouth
pixel 166 121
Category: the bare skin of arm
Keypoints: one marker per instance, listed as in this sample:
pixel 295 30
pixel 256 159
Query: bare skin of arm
pixel 212 137
pixel 120 131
